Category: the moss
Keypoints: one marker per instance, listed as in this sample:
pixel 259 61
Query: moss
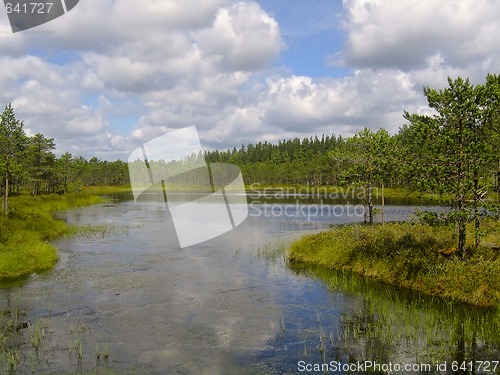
pixel 414 256
pixel 24 235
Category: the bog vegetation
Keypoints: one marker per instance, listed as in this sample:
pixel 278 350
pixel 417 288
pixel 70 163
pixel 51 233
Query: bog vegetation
pixel 24 235
pixel 454 153
pixel 28 164
pixel 410 255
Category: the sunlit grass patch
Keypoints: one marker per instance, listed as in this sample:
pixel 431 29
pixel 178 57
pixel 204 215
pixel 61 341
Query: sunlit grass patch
pixel 24 254
pixel 24 234
pixel 414 256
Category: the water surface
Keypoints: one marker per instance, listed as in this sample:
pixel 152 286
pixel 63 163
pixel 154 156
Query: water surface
pixel 132 300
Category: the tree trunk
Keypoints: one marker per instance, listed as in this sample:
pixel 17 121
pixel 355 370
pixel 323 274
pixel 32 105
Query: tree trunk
pixel 462 227
pixel 498 192
pixel 498 185
pixel 370 204
pixel 365 205
pixel 460 197
pixel 6 193
pixel 476 210
pixel 383 204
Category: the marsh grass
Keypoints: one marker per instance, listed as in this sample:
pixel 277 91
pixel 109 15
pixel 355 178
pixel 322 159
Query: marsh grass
pixel 77 334
pixel 24 235
pixel 385 324
pixel 274 251
pixel 95 231
pixel 104 190
pixel 37 334
pixel 350 192
pixel 408 255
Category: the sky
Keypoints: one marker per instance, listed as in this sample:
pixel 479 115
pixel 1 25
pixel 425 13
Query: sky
pixel 112 74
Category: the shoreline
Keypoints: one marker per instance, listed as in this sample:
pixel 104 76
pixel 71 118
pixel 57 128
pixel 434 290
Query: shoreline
pixel 25 248
pixel 410 256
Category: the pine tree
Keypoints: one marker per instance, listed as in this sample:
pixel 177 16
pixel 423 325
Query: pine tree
pixel 12 143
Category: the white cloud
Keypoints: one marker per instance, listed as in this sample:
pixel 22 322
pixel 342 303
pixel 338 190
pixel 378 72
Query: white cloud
pixel 404 34
pixel 113 73
pixel 242 37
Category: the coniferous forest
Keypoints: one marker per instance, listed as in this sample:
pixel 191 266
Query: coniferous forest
pixel 461 139
pixel 455 152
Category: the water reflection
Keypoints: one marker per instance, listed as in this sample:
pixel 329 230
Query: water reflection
pixel 389 325
pixel 229 305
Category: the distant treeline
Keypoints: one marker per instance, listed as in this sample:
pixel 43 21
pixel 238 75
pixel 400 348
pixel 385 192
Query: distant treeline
pixel 294 161
pixel 340 161
pixel 455 152
pixel 27 163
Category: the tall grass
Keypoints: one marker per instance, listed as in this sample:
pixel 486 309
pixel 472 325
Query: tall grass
pixel 24 235
pixel 387 321
pixel 409 255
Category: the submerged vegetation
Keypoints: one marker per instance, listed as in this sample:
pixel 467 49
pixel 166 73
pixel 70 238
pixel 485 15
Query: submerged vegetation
pixel 24 235
pixel 387 323
pixel 27 345
pixel 410 255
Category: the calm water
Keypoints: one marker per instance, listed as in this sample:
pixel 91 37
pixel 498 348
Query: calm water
pixel 131 301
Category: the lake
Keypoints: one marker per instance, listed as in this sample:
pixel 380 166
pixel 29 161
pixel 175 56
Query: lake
pixel 129 300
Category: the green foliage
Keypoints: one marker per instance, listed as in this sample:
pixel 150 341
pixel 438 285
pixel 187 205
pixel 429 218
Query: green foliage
pixel 410 255
pixel 455 151
pixel 23 236
pixel 28 164
pixel 39 160
pixel 294 161
pixel 433 219
pixel 12 144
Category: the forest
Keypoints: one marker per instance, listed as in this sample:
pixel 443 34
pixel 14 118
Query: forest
pixel 29 165
pixel 456 151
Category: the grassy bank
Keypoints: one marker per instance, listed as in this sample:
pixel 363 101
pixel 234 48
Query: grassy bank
pixel 24 235
pixel 413 256
pixel 103 190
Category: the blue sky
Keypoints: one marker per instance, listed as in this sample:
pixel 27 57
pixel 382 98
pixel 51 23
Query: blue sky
pixel 312 33
pixel 112 74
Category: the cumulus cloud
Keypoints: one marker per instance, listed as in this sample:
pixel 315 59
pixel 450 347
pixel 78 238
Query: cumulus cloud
pixel 184 62
pixel 114 73
pixel 404 34
pixel 242 37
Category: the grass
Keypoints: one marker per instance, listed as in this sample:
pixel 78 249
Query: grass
pixel 94 231
pixel 24 235
pixel 414 256
pixel 103 190
pixel 387 321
